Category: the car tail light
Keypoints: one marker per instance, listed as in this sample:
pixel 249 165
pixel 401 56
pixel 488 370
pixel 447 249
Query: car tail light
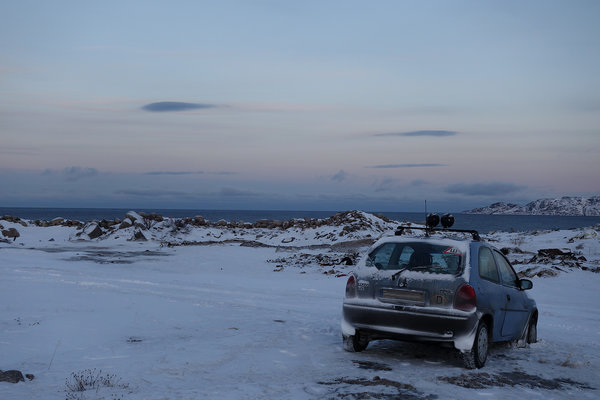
pixel 351 287
pixel 465 298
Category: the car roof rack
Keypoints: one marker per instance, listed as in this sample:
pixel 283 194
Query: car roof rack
pixel 429 230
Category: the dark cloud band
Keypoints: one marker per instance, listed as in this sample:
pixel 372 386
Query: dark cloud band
pixel 436 133
pixel 172 106
pixel 173 172
pixel 407 165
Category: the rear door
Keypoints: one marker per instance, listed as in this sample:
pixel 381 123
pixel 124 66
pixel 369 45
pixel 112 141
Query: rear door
pixel 516 311
pixel 490 293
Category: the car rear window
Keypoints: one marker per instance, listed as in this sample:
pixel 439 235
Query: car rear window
pixel 417 256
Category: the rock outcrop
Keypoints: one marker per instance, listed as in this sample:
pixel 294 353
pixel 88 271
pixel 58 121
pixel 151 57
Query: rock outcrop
pixel 12 376
pixel 11 233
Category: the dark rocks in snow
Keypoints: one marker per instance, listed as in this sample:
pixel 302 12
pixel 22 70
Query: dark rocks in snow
pixel 539 272
pixel 549 256
pixel 252 243
pixel 272 224
pixel 154 217
pixel 11 233
pixel 12 376
pixel 587 234
pixel 198 220
pixel 14 220
pixel 96 232
pixel 550 262
pixel 142 220
pixel 262 223
pixel 125 224
pixel 105 224
pixel 553 253
pixel 334 259
pixel 58 222
pixel 97 229
pixel 351 221
pixel 513 250
pixel 139 236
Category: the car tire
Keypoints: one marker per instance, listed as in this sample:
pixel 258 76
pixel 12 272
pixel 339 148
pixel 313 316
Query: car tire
pixel 476 357
pixel 355 343
pixel 532 330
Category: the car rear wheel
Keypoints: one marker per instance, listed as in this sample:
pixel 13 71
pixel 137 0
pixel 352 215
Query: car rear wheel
pixel 476 357
pixel 356 342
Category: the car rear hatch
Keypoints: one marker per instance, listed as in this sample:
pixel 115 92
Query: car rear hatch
pixel 418 273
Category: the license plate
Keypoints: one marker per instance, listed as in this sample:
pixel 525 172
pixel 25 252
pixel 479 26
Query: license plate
pixel 406 295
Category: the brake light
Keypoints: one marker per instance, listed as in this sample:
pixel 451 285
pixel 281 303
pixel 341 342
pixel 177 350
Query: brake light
pixel 351 287
pixel 465 298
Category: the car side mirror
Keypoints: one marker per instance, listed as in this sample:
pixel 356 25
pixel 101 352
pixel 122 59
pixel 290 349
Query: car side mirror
pixel 525 284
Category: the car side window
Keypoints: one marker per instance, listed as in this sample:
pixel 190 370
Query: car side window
pixel 509 277
pixel 382 255
pixel 487 265
pixel 405 256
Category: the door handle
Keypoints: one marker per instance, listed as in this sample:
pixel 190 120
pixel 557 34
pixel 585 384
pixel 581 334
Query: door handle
pixel 508 297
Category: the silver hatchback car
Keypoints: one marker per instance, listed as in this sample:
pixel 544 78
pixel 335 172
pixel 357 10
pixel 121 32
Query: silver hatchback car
pixel 439 288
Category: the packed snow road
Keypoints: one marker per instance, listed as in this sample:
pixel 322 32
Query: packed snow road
pixel 216 322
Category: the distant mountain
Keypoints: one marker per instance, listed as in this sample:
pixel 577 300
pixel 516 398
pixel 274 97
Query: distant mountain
pixel 576 206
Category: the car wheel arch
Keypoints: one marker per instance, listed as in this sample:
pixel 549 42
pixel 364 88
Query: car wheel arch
pixel 534 315
pixel 489 321
pixel 532 322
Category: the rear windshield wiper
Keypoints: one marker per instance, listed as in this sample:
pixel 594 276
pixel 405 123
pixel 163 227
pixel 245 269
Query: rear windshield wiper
pixel 398 273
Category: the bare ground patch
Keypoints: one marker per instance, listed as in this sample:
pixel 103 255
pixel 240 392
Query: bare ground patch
pixel 379 388
pixel 483 380
pixel 115 257
pixel 104 255
pixel 372 365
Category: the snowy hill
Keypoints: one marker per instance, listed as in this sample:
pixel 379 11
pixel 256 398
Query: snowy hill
pixel 340 228
pixel 571 206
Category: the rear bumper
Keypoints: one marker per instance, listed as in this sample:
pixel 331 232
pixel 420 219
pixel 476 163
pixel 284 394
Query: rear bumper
pixel 407 323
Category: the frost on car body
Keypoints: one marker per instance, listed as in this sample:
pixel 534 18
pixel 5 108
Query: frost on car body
pixel 438 289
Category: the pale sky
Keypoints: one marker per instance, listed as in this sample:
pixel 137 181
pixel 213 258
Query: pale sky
pixel 312 105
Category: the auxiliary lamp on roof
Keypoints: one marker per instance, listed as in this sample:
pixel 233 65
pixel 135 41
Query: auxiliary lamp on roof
pixel 433 220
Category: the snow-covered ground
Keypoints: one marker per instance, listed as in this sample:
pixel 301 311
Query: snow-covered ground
pixel 204 312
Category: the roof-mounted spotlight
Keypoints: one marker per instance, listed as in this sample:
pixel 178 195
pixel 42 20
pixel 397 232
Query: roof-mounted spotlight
pixel 432 220
pixel 447 220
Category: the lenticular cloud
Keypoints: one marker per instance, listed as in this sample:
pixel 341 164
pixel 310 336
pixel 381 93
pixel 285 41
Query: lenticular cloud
pixel 171 106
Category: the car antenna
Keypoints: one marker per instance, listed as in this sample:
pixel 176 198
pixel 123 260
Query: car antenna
pixel 426 231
